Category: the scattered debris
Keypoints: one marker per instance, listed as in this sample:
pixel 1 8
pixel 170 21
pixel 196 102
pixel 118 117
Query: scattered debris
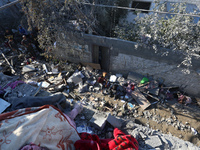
pixel 110 101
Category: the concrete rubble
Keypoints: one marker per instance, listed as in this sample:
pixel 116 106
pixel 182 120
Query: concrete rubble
pixel 121 102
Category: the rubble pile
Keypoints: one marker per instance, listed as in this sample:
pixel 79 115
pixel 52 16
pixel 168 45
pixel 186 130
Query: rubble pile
pixel 110 100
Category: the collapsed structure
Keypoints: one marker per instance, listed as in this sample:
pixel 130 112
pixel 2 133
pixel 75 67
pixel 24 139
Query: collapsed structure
pixel 40 99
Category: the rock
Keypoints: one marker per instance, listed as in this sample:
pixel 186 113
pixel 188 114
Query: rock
pixel 142 135
pixel 180 136
pixel 135 134
pixel 153 141
pixel 44 84
pixel 194 132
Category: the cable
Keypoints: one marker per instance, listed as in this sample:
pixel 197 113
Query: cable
pixel 127 8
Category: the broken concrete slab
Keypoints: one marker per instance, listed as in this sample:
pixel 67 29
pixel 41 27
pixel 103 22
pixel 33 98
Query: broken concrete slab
pixel 98 120
pixel 28 68
pixel 117 123
pixel 76 78
pixel 153 141
pixel 140 98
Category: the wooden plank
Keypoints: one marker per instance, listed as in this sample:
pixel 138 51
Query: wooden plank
pixel 11 67
pixel 140 98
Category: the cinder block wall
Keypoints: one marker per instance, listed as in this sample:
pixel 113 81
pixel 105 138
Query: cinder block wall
pixel 126 56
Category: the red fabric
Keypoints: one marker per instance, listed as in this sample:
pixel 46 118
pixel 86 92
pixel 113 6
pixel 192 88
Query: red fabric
pixel 123 141
pixel 101 80
pixel 120 142
pixel 132 87
pixel 91 142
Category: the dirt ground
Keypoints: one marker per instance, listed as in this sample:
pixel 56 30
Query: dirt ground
pixel 188 116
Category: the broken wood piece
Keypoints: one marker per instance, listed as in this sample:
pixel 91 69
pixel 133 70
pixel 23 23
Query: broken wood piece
pixel 11 67
pixel 171 87
pixel 152 96
pixel 38 89
pixel 140 98
pixel 93 65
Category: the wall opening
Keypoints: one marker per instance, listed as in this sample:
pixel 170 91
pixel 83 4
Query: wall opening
pixel 101 55
pixel 141 5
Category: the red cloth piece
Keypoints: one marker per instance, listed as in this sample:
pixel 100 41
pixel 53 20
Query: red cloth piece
pixel 132 87
pixel 90 142
pixel 121 142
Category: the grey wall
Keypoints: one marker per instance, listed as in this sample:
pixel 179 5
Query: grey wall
pixel 128 56
pixel 9 17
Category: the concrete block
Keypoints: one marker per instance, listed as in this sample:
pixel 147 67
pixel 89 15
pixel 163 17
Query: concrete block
pixel 98 120
pixel 28 68
pixel 153 141
pixel 114 121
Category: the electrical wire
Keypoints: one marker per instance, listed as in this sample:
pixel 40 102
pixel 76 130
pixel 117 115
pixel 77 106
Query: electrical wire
pixel 136 9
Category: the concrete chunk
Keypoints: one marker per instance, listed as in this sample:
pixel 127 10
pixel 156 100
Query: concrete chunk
pixel 114 121
pixel 28 68
pixel 98 120
pixel 153 141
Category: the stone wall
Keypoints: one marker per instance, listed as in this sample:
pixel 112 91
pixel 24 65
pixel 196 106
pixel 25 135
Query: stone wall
pixel 126 56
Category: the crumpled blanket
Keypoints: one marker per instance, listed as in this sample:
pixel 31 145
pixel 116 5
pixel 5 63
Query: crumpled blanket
pixel 45 126
pixel 30 101
pixel 121 141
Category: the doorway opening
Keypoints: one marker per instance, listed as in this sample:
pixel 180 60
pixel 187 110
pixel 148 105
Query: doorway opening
pixel 101 55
